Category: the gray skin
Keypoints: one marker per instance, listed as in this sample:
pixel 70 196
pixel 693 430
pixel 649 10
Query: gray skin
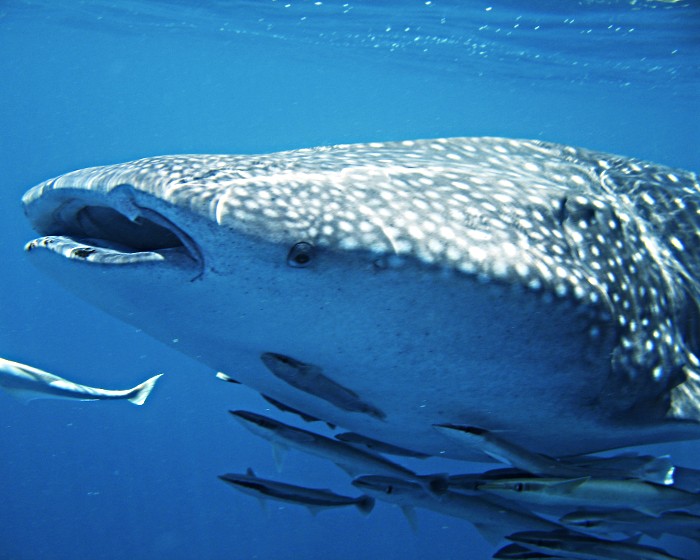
pixel 532 288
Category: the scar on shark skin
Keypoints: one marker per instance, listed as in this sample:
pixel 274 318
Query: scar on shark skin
pixel 310 379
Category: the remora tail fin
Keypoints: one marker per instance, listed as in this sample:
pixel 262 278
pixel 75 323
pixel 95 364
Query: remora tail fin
pixel 141 392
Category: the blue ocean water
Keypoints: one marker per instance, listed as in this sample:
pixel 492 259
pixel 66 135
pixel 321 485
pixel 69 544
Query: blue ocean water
pixel 95 82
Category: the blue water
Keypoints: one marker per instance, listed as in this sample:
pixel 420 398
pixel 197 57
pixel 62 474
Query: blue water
pixel 97 82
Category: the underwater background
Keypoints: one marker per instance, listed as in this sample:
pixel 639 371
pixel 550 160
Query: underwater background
pixel 86 83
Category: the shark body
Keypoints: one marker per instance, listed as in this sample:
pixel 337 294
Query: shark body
pixel 547 292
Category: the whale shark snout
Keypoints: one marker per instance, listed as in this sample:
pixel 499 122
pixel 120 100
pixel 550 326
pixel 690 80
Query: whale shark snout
pixel 514 285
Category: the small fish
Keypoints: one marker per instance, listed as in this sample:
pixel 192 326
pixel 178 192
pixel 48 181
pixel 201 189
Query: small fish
pixel 493 520
pixel 378 446
pixel 594 493
pixel 286 408
pixel 28 383
pixel 313 498
pixel 221 375
pixel 501 449
pixel 567 545
pixel 277 404
pixel 659 470
pixel 632 523
pixel 653 469
pixel 352 460
pixel 311 379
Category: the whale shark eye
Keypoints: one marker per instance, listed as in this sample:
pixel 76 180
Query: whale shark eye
pixel 301 255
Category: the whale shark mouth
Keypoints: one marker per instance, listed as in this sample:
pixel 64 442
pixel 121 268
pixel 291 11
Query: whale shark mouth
pixel 92 231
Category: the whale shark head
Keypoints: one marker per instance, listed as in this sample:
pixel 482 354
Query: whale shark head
pixel 512 285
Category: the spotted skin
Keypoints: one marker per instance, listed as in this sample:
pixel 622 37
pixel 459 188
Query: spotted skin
pixel 615 236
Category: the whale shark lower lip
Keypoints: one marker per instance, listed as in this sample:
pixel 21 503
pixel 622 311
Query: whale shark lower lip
pixel 516 285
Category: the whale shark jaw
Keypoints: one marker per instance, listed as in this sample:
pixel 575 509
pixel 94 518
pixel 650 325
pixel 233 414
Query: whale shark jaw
pixel 397 286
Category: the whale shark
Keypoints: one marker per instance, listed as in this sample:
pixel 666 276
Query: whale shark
pixel 536 290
